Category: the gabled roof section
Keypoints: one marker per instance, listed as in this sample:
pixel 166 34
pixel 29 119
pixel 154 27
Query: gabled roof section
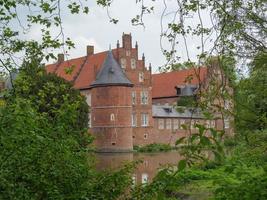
pixel 164 84
pixel 111 74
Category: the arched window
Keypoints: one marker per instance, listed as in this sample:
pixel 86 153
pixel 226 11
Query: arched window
pixel 123 63
pixel 133 63
pixel 141 76
pixel 112 117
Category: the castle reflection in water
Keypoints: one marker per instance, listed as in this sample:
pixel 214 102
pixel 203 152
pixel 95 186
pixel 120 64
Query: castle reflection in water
pixel 145 170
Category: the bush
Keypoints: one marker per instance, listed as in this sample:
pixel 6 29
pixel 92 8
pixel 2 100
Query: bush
pixel 154 147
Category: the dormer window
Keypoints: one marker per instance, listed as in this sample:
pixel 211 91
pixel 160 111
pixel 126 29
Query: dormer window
pixel 178 90
pixel 123 63
pixel 168 110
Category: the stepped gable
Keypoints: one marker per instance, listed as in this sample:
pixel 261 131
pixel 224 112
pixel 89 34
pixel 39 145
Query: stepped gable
pixel 111 74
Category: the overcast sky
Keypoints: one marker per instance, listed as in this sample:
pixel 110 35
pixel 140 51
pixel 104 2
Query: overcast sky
pixel 95 29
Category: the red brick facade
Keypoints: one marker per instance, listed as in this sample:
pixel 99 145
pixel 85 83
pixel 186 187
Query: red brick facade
pixel 121 116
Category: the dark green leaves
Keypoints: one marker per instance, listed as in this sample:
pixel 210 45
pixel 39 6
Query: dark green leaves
pixel 182 165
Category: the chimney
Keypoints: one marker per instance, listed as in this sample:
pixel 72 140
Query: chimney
pixel 90 50
pixel 126 41
pixel 60 57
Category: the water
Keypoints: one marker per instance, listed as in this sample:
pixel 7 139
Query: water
pixel 146 170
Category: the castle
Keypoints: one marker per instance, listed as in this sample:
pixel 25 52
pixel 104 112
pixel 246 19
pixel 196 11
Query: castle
pixel 128 104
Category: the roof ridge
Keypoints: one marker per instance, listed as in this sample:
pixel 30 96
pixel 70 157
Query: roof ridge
pixel 82 65
pixel 177 71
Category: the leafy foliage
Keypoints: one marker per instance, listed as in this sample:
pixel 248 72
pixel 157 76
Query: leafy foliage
pixel 37 161
pixel 154 147
pixel 54 97
pixel 251 97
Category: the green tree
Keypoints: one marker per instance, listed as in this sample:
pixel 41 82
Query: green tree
pixel 251 97
pixel 54 97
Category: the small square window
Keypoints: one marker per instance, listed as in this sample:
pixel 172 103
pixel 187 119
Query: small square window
pixel 145 136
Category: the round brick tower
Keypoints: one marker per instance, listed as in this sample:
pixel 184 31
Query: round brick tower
pixel 111 108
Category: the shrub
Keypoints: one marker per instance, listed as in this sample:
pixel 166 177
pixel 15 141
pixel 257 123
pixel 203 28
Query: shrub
pixel 154 147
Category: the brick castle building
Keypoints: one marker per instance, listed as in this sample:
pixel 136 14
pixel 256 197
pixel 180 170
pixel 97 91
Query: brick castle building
pixel 128 104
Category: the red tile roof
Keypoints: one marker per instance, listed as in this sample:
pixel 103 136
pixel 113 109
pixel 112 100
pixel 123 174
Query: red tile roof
pixel 163 84
pixel 83 74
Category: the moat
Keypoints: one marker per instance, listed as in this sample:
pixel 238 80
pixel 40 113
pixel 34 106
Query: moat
pixel 146 170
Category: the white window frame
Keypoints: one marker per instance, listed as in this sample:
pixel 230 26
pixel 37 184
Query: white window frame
pixel 133 63
pixel 212 123
pixel 226 123
pixel 88 99
pixel 175 124
pixel 144 178
pixel 169 124
pixel 112 117
pixel 182 122
pixel 160 124
pixel 133 97
pixel 144 119
pixel 144 97
pixel 192 123
pixel 123 63
pixel 128 53
pixel 141 77
pixel 89 120
pixel 207 123
pixel 134 121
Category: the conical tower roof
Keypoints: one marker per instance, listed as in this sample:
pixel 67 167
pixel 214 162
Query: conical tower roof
pixel 111 74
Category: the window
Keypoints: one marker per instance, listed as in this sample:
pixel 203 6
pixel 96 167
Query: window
pixel 144 97
pixel 168 124
pixel 133 63
pixel 88 99
pixel 133 97
pixel 144 118
pixel 134 179
pixel 175 124
pixel 192 125
pixel 161 124
pixel 141 76
pixel 89 120
pixel 112 117
pixel 145 136
pixel 212 123
pixel 123 63
pixel 178 90
pixel 134 120
pixel 226 105
pixel 226 123
pixel 144 178
pixel 207 123
pixel 128 53
pixel 182 123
